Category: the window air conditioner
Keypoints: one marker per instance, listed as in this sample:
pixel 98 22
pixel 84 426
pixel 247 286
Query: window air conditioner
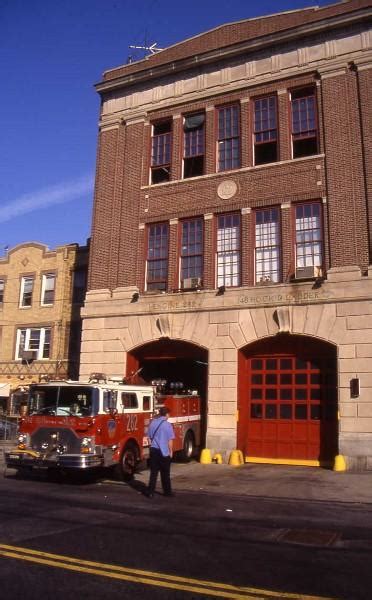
pixel 308 272
pixel 191 283
pixel 265 280
pixel 28 355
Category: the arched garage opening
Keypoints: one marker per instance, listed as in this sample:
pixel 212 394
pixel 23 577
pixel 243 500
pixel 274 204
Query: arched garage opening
pixel 172 361
pixel 288 400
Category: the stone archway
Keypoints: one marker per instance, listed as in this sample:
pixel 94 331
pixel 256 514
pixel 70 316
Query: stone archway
pixel 174 361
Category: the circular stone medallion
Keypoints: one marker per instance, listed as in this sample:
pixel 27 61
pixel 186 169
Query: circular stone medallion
pixel 227 189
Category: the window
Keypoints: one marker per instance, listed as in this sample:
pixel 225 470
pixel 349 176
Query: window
pixel 161 151
pixel 228 250
pixel 27 286
pixel 309 238
pixel 304 127
pixel 80 285
pixel 193 145
pixel 265 131
pixel 2 287
pixel 267 246
pixel 228 141
pixel 35 340
pixel 191 252
pixel 157 257
pixel 48 289
pixel 129 400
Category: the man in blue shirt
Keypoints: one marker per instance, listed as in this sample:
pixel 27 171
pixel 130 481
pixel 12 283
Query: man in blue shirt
pixel 161 434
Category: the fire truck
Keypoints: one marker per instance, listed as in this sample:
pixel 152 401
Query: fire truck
pixel 76 426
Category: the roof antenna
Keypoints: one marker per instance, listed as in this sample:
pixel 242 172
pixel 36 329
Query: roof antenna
pixel 153 49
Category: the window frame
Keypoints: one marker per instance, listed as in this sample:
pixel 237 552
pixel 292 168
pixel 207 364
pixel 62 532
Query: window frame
pixel 200 141
pixel 225 138
pixel 304 134
pixel 266 277
pixel 22 295
pixel 313 242
pixel 226 252
pixel 44 332
pixel 262 131
pixel 155 151
pixel 165 258
pixel 44 290
pixel 190 256
pixel 2 291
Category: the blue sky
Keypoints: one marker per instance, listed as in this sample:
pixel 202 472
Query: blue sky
pixel 51 54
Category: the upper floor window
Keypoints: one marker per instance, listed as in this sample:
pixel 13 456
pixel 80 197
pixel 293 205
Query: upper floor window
pixel 309 238
pixel 191 255
pixel 2 287
pixel 228 250
pixel 265 131
pixel 304 122
pixel 27 286
pixel 228 138
pixel 267 246
pixel 161 151
pixel 193 145
pixel 79 286
pixel 48 289
pixel 157 257
pixel 35 340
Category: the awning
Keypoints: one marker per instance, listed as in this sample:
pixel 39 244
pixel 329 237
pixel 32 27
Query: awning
pixel 4 389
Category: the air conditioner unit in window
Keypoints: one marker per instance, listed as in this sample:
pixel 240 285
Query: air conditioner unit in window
pixel 308 272
pixel 28 355
pixel 191 283
pixel 265 280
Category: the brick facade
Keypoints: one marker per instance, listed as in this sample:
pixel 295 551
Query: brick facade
pixel 327 51
pixel 60 314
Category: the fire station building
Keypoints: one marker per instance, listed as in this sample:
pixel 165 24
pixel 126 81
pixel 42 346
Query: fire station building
pixel 231 242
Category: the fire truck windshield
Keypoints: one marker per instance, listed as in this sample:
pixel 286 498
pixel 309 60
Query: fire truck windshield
pixel 61 400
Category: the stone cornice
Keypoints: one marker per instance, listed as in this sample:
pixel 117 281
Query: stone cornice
pixel 256 44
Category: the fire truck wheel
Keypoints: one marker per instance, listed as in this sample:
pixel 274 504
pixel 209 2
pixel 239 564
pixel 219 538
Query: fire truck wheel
pixel 188 449
pixel 128 461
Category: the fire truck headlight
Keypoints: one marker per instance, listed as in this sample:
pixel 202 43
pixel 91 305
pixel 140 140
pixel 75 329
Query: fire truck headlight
pixel 87 444
pixel 22 441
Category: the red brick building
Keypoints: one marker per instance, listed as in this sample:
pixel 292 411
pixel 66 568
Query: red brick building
pixel 231 242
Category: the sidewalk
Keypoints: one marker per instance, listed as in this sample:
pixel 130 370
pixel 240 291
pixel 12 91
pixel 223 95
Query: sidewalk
pixel 272 481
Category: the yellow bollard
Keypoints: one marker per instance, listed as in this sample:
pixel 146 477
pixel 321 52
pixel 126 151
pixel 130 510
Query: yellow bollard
pixel 340 463
pixel 236 458
pixel 205 457
pixel 217 458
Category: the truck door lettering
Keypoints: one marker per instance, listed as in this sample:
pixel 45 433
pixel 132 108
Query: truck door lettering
pixel 131 422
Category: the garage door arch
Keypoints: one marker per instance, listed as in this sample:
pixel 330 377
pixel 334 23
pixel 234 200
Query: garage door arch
pixel 172 360
pixel 288 400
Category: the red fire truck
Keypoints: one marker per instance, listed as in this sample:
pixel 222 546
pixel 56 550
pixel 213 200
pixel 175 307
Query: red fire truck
pixel 72 425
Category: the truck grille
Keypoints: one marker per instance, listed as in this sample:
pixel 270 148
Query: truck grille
pixel 49 439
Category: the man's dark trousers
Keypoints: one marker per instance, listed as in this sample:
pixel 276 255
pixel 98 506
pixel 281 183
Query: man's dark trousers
pixel 161 463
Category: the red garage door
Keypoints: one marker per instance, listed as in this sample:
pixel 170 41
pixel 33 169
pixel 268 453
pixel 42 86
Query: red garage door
pixel 288 400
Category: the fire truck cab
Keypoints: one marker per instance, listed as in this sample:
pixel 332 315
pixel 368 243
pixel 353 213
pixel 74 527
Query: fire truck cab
pixel 73 425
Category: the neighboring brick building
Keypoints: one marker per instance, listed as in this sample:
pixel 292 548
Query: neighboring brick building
pixel 41 293
pixel 231 242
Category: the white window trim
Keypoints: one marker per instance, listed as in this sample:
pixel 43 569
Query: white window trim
pixel 39 352
pixel 23 281
pixel 43 288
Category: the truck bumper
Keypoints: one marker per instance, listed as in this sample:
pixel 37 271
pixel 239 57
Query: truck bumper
pixel 17 459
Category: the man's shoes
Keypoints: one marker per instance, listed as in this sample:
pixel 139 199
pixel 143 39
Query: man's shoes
pixel 149 494
pixel 169 495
